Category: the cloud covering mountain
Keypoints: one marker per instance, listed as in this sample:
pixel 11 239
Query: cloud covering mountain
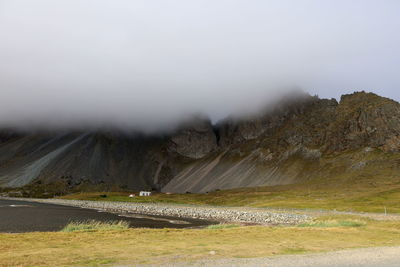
pixel 146 64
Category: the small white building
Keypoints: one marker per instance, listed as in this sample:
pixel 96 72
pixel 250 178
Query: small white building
pixel 145 193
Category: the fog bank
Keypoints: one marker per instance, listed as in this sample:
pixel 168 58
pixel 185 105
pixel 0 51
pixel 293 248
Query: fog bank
pixel 147 64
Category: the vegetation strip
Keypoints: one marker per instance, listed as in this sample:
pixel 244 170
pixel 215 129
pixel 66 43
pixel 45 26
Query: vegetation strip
pixel 92 225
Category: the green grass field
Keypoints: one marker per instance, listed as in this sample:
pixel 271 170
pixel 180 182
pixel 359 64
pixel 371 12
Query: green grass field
pixel 359 198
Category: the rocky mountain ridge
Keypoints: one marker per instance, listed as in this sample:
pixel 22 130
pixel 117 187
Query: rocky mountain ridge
pixel 295 140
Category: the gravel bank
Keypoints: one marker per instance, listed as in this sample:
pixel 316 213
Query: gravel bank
pixel 221 214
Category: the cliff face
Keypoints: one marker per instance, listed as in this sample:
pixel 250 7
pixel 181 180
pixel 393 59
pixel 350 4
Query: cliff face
pixel 194 139
pixel 365 120
pixel 301 138
pixel 359 120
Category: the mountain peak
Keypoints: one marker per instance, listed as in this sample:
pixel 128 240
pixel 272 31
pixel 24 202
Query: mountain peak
pixel 365 99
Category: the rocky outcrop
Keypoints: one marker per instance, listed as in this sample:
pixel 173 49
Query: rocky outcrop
pixel 365 119
pixel 359 120
pixel 195 139
pixel 293 121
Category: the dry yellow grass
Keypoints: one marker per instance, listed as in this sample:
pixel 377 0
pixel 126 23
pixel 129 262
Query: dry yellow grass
pixel 152 245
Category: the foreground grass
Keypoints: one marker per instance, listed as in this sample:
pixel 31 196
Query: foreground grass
pixel 222 226
pixel 95 226
pixel 160 245
pixel 329 223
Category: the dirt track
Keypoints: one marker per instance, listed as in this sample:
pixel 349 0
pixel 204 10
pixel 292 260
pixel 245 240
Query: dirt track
pixel 366 257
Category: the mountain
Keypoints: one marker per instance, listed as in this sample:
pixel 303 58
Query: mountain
pixel 302 138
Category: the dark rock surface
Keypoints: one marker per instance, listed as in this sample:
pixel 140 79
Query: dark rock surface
pixel 194 139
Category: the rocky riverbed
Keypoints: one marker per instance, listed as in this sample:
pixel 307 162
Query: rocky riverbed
pixel 221 214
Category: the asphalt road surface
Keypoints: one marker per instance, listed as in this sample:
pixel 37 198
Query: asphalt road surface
pixel 23 216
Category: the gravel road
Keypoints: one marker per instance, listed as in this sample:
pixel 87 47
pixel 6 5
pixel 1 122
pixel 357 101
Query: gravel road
pixel 366 257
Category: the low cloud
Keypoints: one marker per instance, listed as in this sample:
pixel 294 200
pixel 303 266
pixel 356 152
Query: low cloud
pixel 148 64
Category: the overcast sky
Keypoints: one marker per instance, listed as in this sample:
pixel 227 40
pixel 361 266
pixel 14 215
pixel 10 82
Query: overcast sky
pixel 147 63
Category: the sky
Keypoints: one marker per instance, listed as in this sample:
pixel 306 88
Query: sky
pixel 148 64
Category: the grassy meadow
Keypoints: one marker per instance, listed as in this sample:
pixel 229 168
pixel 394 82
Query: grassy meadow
pixel 107 246
pixel 359 198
